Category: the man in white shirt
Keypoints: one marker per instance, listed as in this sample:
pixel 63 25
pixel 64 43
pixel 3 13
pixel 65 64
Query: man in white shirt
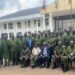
pixel 35 55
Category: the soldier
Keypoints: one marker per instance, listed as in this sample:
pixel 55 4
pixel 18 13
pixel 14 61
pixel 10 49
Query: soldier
pixel 19 45
pixel 25 57
pixel 71 36
pixel 13 51
pixel 65 59
pixel 1 52
pixel 5 51
pixel 57 55
pixel 71 49
pixel 65 38
pixel 35 56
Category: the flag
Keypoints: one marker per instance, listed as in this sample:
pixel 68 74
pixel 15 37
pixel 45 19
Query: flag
pixel 70 1
pixel 44 6
pixel 56 3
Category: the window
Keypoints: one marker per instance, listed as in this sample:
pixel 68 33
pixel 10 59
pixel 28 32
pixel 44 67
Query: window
pixel 35 22
pixel 11 34
pixel 5 26
pixel 10 26
pixel 29 23
pixel 19 33
pixel 4 35
pixel 18 24
pixel 46 21
pixel 39 22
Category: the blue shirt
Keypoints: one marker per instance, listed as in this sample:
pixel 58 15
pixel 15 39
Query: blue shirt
pixel 45 51
pixel 29 42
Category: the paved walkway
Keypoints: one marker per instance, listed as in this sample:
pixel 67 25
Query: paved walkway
pixel 16 70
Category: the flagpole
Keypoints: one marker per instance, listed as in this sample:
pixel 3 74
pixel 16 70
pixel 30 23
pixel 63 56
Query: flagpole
pixel 56 6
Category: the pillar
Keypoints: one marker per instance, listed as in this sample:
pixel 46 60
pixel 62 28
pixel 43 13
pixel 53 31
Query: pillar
pixel 44 28
pixel 51 25
pixel 8 31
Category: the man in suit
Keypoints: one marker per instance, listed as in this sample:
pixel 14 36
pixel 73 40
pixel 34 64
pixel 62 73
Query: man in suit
pixel 30 43
pixel 45 55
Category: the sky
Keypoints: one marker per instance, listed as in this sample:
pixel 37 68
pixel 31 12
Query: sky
pixel 11 6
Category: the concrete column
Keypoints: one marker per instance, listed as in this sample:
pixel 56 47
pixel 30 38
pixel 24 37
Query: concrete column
pixel 0 35
pixel 37 27
pixel 15 29
pixel 51 25
pixel 62 25
pixel 0 30
pixel 8 31
pixel 44 28
pixel 27 27
pixel 23 27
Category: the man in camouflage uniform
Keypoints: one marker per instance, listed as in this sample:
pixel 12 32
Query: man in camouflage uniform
pixel 57 55
pixel 1 52
pixel 5 51
pixel 25 56
pixel 71 49
pixel 65 59
pixel 65 38
pixel 13 51
pixel 19 45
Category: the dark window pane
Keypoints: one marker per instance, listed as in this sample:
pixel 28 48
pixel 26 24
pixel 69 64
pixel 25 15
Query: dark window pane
pixel 4 35
pixel 11 35
pixel 46 21
pixel 5 26
pixel 35 22
pixel 39 22
pixel 18 24
pixel 10 26
pixel 29 23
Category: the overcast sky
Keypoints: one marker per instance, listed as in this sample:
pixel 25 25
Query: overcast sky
pixel 10 6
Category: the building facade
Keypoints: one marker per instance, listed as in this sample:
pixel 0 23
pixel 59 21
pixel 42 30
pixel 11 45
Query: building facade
pixel 30 20
pixel 58 16
pixel 63 13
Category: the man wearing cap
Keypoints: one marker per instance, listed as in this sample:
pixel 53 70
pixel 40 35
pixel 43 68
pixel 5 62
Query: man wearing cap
pixel 71 50
pixel 25 56
pixel 57 55
pixel 65 59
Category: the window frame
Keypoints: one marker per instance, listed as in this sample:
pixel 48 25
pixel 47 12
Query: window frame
pixel 10 25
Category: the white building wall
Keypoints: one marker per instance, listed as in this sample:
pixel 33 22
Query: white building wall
pixel 24 28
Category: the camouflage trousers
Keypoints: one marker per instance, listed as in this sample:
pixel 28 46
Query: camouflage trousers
pixel 65 63
pixel 55 61
pixel 71 60
pixel 34 60
pixel 24 61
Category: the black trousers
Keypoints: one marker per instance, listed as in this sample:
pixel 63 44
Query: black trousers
pixel 46 61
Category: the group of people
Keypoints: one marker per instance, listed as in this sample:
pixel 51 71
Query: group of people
pixel 44 49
